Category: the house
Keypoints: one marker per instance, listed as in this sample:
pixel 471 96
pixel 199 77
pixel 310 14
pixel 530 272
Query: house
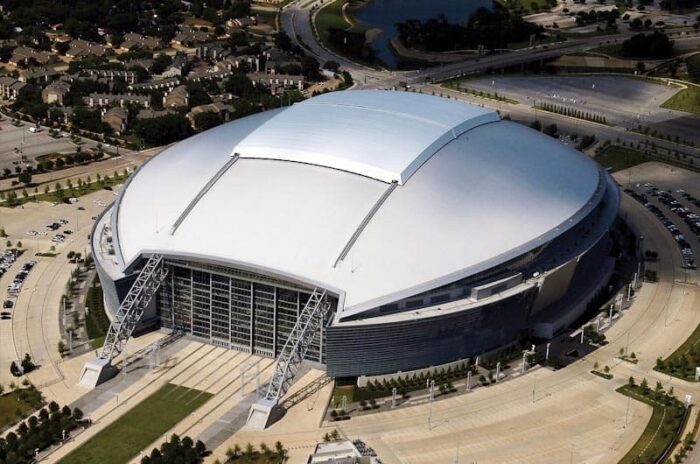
pixel 10 88
pixel 106 99
pixel 212 51
pixel 145 63
pixel 138 41
pixel 116 118
pixel 176 68
pixel 57 40
pixel 240 23
pixel 221 109
pixel 235 62
pixel 275 59
pixel 130 77
pixel 79 48
pixel 277 81
pixel 209 73
pixel 189 36
pixel 55 92
pixel 23 56
pixel 156 84
pixel 149 113
pixel 35 75
pixel 177 97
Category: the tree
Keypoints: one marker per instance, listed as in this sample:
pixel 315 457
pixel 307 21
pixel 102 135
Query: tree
pixel 207 120
pixel 630 382
pixel 25 177
pixel 27 363
pixel 331 66
pixel 551 130
pixel 162 130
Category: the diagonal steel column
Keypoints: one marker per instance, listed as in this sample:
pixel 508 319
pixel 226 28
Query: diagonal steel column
pixel 132 308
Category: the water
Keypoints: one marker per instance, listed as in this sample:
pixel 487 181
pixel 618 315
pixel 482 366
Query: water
pixel 384 14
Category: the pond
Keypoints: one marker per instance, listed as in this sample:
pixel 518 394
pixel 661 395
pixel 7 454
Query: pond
pixel 384 14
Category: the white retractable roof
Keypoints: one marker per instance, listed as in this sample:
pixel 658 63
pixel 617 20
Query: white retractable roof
pixel 379 134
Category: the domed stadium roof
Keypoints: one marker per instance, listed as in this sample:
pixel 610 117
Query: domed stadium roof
pixel 374 195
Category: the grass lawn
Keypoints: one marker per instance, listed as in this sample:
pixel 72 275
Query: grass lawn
pixel 681 363
pixel 138 428
pixel 527 7
pixel 661 431
pixel 339 392
pixel 686 100
pixel 331 16
pixel 12 408
pixel 618 158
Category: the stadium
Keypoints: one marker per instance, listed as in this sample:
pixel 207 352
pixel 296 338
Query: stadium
pixel 407 230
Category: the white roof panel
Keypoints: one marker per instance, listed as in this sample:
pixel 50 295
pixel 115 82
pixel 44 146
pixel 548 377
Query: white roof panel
pixel 379 134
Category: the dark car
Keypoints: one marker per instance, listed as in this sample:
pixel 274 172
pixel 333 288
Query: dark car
pixel 7 304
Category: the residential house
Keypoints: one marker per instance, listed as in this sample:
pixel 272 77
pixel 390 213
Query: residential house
pixel 23 56
pixel 189 36
pixel 150 113
pixel 79 48
pixel 55 92
pixel 176 68
pixel 212 51
pixel 116 118
pixel 130 77
pixel 209 73
pixel 241 23
pixel 145 63
pixel 221 109
pixel 275 82
pixel 138 41
pixel 177 97
pixel 36 75
pixel 10 88
pixel 276 59
pixel 235 62
pixel 107 99
pixel 156 84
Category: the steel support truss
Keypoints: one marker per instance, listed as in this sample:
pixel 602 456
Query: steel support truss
pixel 294 350
pixel 133 306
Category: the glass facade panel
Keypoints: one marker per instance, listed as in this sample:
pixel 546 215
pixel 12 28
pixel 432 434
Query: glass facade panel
pixel 228 307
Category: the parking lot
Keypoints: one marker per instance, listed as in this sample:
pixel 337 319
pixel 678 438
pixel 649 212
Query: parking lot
pixel 685 213
pixel 13 139
pixel 623 101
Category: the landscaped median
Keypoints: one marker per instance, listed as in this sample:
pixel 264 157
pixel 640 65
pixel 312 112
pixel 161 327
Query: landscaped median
pixel 664 428
pixel 133 432
pixel 682 362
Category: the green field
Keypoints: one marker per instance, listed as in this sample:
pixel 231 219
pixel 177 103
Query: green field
pixel 662 429
pixel 12 408
pixel 618 158
pixel 526 7
pixel 331 17
pixel 139 427
pixel 686 100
